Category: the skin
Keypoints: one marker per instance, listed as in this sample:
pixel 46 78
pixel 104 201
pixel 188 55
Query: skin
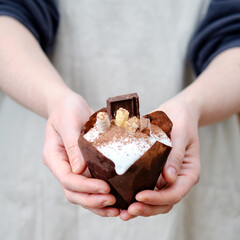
pixel 27 76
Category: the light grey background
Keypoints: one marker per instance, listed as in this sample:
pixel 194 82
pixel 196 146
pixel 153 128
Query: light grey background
pixel 106 48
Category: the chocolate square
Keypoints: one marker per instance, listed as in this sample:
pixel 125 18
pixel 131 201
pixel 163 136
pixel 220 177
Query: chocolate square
pixel 128 101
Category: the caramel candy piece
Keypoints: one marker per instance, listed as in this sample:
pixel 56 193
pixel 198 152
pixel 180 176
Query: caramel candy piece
pixel 132 125
pixel 130 102
pixel 121 117
pixel 103 122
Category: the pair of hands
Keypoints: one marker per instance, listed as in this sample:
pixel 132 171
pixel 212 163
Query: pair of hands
pixel 62 156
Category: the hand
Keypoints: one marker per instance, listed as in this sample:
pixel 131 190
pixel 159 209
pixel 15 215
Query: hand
pixel 62 156
pixel 182 169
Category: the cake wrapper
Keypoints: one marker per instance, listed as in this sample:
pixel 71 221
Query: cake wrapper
pixel 142 175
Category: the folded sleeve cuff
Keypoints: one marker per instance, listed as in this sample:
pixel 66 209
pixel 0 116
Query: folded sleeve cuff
pixel 40 17
pixel 218 31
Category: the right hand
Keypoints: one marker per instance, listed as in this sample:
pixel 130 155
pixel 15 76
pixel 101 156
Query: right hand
pixel 61 154
pixel 182 169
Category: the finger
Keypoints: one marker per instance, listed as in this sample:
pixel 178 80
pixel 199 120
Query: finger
pixel 169 195
pixel 174 192
pixel 90 200
pixel 57 161
pixel 175 158
pixel 161 183
pixel 70 139
pixel 77 183
pixel 105 212
pixel 144 210
pixel 126 216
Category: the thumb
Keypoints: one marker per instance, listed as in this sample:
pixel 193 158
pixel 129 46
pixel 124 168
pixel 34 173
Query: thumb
pixel 75 156
pixel 174 161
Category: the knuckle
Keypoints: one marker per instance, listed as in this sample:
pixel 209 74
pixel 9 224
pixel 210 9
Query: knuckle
pixel 178 157
pixel 69 198
pixel 73 152
pixel 194 178
pixel 176 199
pixel 167 210
pixel 72 148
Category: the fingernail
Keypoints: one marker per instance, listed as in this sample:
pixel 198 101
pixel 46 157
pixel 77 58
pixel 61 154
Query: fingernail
pixel 107 203
pixel 102 192
pixel 141 198
pixel 172 173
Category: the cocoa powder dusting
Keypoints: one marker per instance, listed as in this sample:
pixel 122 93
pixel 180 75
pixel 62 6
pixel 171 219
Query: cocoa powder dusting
pixel 156 130
pixel 116 134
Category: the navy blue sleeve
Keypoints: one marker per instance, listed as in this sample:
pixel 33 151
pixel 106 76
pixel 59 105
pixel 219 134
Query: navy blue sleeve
pixel 219 30
pixel 41 17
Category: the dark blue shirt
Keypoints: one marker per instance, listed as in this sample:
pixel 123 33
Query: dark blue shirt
pixel 41 17
pixel 219 30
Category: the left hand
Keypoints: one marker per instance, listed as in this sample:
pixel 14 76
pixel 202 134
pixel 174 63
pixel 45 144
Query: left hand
pixel 61 154
pixel 182 169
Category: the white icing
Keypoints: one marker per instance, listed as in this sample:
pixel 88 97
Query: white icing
pixel 124 153
pixel 163 138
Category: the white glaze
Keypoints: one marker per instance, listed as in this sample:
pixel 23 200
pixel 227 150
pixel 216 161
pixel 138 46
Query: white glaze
pixel 124 153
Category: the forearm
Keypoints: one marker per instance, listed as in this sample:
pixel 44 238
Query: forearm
pixel 26 74
pixel 215 95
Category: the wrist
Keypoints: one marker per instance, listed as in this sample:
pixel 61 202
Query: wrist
pixel 192 104
pixel 216 90
pixel 56 98
pixel 183 104
pixel 66 104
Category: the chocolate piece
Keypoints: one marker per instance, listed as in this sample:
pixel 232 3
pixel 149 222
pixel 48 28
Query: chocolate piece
pixel 143 174
pixel 129 102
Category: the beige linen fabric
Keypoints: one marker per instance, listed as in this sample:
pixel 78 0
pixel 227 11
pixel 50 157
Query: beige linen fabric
pixel 106 48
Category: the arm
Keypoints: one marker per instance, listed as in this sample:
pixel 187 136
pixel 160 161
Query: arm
pixel 25 72
pixel 218 98
pixel 213 97
pixel 27 76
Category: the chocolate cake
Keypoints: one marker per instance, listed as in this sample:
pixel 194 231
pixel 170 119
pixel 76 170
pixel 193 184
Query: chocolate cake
pixel 126 151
